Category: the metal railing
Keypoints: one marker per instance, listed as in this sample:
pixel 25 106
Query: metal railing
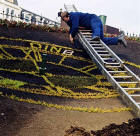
pixel 29 17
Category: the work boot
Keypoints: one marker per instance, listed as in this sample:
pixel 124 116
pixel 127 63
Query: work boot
pixel 95 38
pixel 122 41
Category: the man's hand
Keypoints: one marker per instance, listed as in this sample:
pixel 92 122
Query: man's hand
pixel 71 39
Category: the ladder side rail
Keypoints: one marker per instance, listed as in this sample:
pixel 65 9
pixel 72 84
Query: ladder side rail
pixel 87 48
pixel 65 7
pixel 131 73
pixel 111 52
pixel 124 95
pixel 116 57
pixel 74 8
pixel 92 48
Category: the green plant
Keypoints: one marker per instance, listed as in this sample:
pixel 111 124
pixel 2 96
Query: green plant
pixel 73 81
pixel 12 83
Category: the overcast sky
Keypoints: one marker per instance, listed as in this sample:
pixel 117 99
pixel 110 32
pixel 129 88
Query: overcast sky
pixel 123 14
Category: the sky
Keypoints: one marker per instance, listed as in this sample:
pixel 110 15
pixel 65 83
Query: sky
pixel 122 14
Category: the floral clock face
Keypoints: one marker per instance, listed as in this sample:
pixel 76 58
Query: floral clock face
pixel 69 74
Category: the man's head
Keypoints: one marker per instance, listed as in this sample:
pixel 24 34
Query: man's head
pixel 65 16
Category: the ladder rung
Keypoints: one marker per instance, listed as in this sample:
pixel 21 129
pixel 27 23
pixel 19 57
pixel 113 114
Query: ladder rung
pixel 128 82
pixel 93 42
pixel 90 39
pixel 113 66
pixel 105 55
pixel 88 30
pixel 122 76
pixel 113 59
pixel 88 36
pixel 69 6
pixel 135 95
pixel 70 10
pixel 112 63
pixel 99 47
pixel 86 33
pixel 102 51
pixel 132 89
pixel 85 30
pixel 117 71
pixel 96 45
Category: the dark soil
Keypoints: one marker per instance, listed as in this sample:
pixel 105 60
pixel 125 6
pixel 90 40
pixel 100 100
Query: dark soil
pixel 52 37
pixel 130 128
pixel 14 115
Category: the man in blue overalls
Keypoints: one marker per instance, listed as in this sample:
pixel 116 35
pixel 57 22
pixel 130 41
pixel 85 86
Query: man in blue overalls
pixel 89 21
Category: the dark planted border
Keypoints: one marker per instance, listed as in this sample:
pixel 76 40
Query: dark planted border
pixel 95 72
pixel 15 52
pixel 24 77
pixel 14 42
pixel 36 97
pixel 85 90
pixel 61 70
pixel 23 65
pixel 53 58
pixel 76 63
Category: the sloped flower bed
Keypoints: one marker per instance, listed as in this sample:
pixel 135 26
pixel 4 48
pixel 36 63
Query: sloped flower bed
pixel 21 59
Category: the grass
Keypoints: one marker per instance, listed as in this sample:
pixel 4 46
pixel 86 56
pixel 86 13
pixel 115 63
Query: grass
pixel 12 83
pixel 72 81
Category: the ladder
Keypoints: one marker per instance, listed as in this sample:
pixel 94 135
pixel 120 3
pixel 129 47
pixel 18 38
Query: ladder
pixel 120 76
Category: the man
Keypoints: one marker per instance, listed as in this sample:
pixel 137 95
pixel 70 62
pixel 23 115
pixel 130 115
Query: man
pixel 89 21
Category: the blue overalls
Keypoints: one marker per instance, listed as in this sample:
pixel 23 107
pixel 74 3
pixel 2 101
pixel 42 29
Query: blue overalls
pixel 89 21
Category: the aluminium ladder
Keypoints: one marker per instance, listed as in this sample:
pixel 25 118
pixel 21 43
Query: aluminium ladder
pixel 121 77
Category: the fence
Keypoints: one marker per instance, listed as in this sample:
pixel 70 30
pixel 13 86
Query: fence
pixel 29 17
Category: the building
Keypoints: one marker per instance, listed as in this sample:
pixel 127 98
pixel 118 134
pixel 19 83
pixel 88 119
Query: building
pixel 10 10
